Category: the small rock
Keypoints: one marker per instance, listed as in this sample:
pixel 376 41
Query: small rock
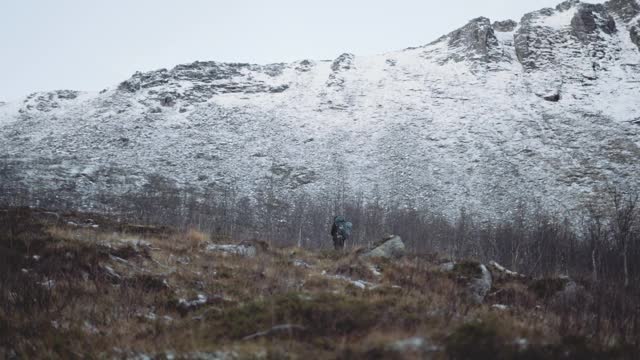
pixel 301 263
pixel 448 266
pixel 242 250
pixel 414 344
pixel 499 307
pixel 552 97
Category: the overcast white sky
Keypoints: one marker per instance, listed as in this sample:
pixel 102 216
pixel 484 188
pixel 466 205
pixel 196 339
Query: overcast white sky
pixel 89 45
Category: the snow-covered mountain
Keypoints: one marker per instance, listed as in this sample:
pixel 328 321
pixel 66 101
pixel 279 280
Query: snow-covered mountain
pixel 545 109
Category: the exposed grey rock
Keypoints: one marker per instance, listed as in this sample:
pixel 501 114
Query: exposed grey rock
pixel 185 305
pixel 343 62
pixel 539 45
pixel 475 276
pixel 476 40
pixel 302 264
pixel 305 66
pixel 414 344
pixel 390 248
pixel 446 267
pixel 209 78
pixel 241 249
pixel 500 307
pixel 589 20
pixel 634 32
pixel 553 97
pixel 566 5
pixel 625 9
pixel 479 286
pixel 571 293
pixel 505 26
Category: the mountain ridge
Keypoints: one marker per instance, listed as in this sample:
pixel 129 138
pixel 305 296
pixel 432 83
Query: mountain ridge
pixel 542 109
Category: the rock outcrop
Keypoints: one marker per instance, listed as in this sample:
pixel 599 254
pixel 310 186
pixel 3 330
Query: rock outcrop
pixel 248 250
pixel 474 276
pixel 627 10
pixel 505 25
pixel 390 248
pixel 475 41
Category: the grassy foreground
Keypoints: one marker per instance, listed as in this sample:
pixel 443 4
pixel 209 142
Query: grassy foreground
pixel 72 286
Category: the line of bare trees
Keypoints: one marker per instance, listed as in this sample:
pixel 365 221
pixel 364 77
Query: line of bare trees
pixel 601 242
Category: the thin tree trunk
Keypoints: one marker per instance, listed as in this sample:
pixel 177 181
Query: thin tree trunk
pixel 594 265
pixel 625 264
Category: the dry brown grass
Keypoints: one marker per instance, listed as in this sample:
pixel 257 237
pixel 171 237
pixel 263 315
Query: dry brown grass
pixel 118 294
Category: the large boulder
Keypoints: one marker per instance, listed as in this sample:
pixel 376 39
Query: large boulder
pixel 474 276
pixel 480 285
pixel 391 247
pixel 560 291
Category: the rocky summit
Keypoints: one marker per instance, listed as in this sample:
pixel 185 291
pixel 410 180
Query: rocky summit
pixel 546 108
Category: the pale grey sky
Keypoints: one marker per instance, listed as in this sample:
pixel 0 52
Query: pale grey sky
pixel 90 44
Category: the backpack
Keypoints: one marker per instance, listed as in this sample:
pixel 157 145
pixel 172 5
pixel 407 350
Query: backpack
pixel 344 227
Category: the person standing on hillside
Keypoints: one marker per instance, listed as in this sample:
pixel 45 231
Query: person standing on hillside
pixel 340 231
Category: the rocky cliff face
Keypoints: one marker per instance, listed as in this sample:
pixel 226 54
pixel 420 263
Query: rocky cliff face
pixel 542 109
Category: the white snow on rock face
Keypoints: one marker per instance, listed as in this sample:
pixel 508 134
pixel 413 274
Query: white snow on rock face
pixel 558 19
pixel 462 121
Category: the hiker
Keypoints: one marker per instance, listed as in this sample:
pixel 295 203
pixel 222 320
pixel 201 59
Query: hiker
pixel 340 231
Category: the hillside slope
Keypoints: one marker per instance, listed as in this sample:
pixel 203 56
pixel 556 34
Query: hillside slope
pixel 544 109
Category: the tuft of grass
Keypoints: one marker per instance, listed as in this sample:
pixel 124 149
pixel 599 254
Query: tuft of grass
pixel 476 340
pixel 196 239
pixel 467 269
pixel 547 287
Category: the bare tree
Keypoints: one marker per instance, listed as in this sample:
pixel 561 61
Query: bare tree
pixel 624 221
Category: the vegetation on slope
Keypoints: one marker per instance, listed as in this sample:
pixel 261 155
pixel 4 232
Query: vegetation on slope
pixel 78 285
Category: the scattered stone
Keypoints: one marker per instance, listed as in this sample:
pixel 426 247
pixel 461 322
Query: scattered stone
pixel 360 284
pixel 241 249
pixel 414 344
pixel 446 267
pixel 48 284
pixel 390 248
pixel 552 97
pixel 184 306
pixel 499 307
pixel 301 263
